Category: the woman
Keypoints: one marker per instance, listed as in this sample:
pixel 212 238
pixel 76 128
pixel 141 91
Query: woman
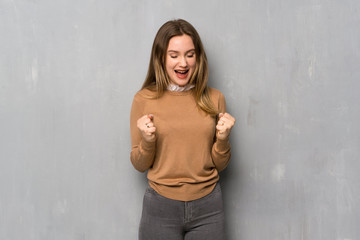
pixel 180 134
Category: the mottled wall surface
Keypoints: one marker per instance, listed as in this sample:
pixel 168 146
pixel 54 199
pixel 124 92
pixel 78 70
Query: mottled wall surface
pixel 289 69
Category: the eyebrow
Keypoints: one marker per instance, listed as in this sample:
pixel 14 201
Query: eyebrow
pixel 173 51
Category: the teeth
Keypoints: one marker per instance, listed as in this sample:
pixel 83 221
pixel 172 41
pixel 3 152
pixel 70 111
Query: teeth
pixel 185 71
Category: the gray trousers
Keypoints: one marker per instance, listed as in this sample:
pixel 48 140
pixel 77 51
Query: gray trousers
pixel 167 219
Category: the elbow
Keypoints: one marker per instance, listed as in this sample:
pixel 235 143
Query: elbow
pixel 141 169
pixel 138 164
pixel 221 165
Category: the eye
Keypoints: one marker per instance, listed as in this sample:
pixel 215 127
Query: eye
pixel 173 56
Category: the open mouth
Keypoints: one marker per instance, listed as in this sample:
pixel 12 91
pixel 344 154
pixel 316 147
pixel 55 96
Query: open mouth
pixel 182 72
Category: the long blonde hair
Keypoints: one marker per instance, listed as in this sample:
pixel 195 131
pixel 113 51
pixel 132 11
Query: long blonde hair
pixel 157 78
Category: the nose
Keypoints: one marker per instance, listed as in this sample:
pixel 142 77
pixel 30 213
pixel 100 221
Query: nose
pixel 183 62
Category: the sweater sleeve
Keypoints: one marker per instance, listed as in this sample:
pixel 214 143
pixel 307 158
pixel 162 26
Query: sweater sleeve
pixel 221 150
pixel 142 152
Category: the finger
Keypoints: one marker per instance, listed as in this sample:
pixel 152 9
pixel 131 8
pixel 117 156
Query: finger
pixel 148 118
pixel 220 128
pixel 228 122
pixel 225 122
pixel 224 132
pixel 221 123
pixel 227 126
pixel 229 117
pixel 224 119
pixel 221 132
pixel 220 116
pixel 147 121
pixel 150 131
pixel 142 119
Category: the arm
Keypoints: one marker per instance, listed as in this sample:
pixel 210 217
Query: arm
pixel 143 144
pixel 221 150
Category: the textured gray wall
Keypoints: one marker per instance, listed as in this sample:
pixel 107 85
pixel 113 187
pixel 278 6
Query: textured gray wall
pixel 290 71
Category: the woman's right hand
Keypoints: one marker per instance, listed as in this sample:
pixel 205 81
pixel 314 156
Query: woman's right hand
pixel 146 126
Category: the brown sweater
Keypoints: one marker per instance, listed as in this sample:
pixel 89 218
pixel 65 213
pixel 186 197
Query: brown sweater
pixel 185 159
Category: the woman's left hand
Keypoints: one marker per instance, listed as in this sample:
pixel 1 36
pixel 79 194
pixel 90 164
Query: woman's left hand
pixel 224 125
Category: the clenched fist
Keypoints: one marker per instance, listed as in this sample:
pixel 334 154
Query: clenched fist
pixel 146 126
pixel 224 125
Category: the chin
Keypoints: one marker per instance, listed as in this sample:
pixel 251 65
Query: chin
pixel 181 83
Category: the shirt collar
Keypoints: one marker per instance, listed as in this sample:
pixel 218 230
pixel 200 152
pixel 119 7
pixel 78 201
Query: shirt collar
pixel 176 88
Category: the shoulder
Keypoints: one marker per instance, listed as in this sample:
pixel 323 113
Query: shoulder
pixel 218 99
pixel 144 94
pixel 140 101
pixel 215 93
